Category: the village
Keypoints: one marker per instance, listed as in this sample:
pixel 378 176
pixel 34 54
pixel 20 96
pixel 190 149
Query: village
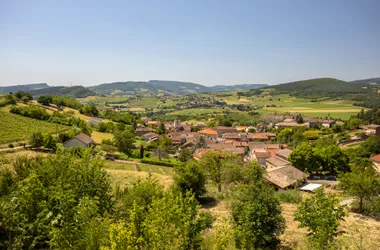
pixel 249 143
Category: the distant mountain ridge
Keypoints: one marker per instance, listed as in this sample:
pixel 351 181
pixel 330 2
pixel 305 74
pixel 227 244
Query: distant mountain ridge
pixel 26 87
pixel 74 91
pixel 367 81
pixel 155 87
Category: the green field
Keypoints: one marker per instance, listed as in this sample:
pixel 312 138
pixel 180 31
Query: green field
pixel 15 128
pixel 284 103
pixel 125 174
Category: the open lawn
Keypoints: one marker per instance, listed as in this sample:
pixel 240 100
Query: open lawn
pixel 99 136
pixel 15 128
pixel 125 174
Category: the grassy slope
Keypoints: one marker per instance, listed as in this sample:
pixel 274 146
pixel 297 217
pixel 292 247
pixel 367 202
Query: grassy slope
pixel 16 128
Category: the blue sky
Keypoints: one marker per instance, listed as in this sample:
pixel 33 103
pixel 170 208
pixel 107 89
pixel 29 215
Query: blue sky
pixel 207 42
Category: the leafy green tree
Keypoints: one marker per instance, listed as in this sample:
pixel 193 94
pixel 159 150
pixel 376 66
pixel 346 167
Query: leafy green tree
pixel 142 149
pixel 36 140
pixel 10 99
pixel 161 129
pixel 108 148
pixel 362 182
pixel 337 128
pixel 321 215
pixel 299 118
pixel 50 142
pixel 51 199
pixel 161 152
pixel 190 177
pixel 200 143
pixel 219 166
pixel 256 213
pixel 303 158
pixel 353 123
pixel 285 135
pixel 45 100
pixel 185 155
pixel 124 140
pixel 370 147
pixel 332 159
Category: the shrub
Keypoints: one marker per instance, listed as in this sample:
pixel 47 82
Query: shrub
pixel 289 196
pixel 11 145
pixel 159 163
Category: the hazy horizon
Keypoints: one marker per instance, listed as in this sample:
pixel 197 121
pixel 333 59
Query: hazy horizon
pixel 205 42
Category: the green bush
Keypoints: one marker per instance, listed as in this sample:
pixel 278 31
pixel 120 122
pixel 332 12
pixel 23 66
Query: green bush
pixel 159 163
pixel 11 145
pixel 289 196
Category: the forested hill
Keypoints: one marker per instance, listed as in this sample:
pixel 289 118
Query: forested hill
pixel 74 92
pixel 155 87
pixel 320 87
pixel 25 88
pixel 370 81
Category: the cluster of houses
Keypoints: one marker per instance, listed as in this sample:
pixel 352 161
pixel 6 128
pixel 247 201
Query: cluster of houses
pixel 249 146
pixel 238 140
pixel 312 123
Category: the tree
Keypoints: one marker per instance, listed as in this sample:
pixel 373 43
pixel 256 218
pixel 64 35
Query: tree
pixel 362 182
pixel 201 143
pixel 45 100
pixel 303 158
pixel 284 135
pixel 161 129
pixel 142 148
pixel 353 123
pixel 321 215
pixel 50 142
pixel 51 200
pixel 124 140
pixel 161 152
pixel 370 147
pixel 299 118
pixel 190 177
pixel 256 213
pixel 108 148
pixel 332 159
pixel 185 155
pixel 36 140
pixel 218 165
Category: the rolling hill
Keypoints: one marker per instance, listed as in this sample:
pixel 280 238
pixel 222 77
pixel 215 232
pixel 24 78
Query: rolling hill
pixel 25 88
pixel 370 81
pixel 319 87
pixel 74 92
pixel 155 87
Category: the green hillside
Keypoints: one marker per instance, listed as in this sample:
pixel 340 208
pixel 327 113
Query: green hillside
pixel 370 81
pixel 25 88
pixel 74 92
pixel 156 87
pixel 320 87
pixel 18 128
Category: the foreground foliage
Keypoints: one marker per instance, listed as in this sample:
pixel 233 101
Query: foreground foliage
pixel 321 215
pixel 256 213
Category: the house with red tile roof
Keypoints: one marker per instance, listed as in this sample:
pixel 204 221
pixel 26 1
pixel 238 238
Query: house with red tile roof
pixel 376 162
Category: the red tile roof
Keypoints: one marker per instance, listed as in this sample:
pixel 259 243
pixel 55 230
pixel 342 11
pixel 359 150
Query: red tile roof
pixel 376 158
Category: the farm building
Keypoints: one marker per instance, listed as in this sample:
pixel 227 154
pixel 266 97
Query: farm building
pixel 285 177
pixel 373 129
pixel 81 140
